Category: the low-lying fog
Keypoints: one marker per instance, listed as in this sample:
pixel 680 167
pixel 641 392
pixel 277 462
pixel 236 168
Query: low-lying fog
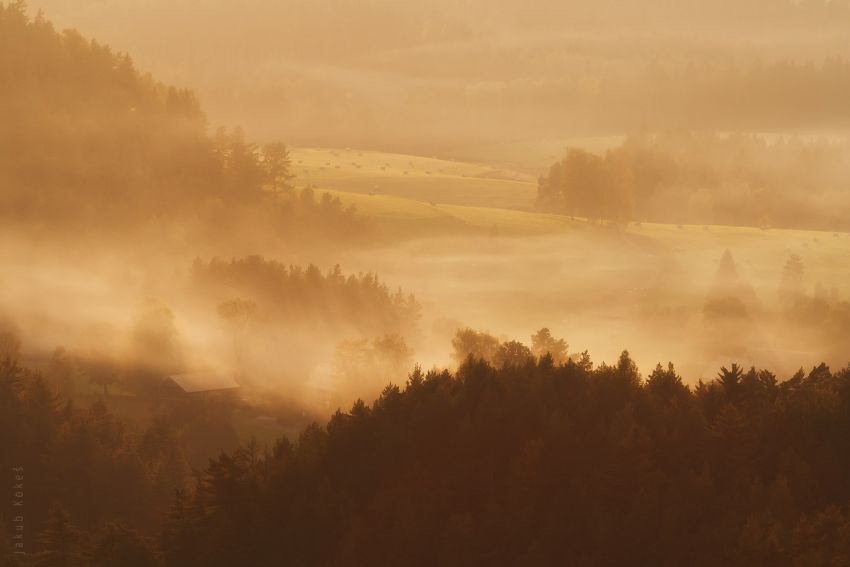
pixel 604 292
pixel 600 289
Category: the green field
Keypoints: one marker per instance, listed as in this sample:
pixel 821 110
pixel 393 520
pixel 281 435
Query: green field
pixel 827 254
pixel 407 217
pixel 419 178
pixel 458 199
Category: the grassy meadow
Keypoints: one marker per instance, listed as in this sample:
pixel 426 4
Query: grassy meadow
pixel 417 197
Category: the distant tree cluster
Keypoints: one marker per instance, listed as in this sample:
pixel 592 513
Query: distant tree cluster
pixel 588 185
pixel 361 368
pixel 819 318
pixel 735 318
pixel 755 95
pixel 705 178
pixel 481 345
pixel 299 295
pixel 349 332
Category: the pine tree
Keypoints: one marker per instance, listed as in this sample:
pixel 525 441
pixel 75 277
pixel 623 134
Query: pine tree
pixel 277 166
pixel 62 544
pixel 727 271
pixel 6 553
pixel 121 546
pixel 730 378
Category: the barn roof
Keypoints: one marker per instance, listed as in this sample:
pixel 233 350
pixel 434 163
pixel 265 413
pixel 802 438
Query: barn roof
pixel 203 381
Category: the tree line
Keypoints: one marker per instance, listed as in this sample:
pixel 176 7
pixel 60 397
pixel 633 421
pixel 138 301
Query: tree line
pixel 710 92
pixel 705 178
pixel 300 295
pixel 531 462
pixel 251 307
pixel 540 464
pixel 354 328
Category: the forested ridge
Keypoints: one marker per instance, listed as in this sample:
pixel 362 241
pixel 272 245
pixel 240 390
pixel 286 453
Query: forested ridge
pixel 82 127
pixel 531 463
pixel 89 142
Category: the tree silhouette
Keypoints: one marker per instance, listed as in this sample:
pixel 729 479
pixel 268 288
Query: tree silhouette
pixel 534 461
pixel 477 344
pixel 678 177
pixel 542 342
pixel 118 545
pixel 10 346
pixel 512 353
pixel 61 542
pixel 577 442
pixel 277 166
pixel 730 379
pixel 239 314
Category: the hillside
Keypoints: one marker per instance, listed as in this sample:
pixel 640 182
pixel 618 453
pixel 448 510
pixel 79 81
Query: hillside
pixel 411 197
pixel 695 247
pixel 92 147
pixel 85 135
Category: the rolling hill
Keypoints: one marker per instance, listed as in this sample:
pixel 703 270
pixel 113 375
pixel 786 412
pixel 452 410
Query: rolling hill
pixel 450 198
pixel 414 177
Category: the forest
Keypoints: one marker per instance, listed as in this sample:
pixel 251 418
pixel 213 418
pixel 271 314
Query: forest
pixel 345 283
pixel 524 463
pixel 93 146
